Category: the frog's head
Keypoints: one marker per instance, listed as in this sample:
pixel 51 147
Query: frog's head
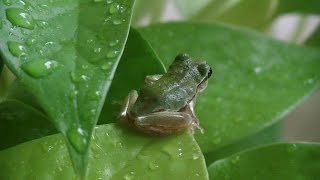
pixel 199 71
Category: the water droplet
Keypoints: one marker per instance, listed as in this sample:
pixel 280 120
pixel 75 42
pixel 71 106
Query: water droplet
pixel 117 21
pixel 153 166
pixel 292 148
pixel 78 139
pixel 309 81
pixel 109 1
pixel 19 17
pixel 30 41
pixel 16 48
pixel 42 24
pixel 122 9
pixel 40 68
pixel 112 54
pixel 97 50
pixel 94 95
pixel 113 43
pixel 235 159
pixel 129 176
pixel 106 65
pixel 89 41
pixel 7 2
pixel 195 155
pixel 84 77
pixel 257 69
pixel 179 154
pixel 73 94
pixel 114 8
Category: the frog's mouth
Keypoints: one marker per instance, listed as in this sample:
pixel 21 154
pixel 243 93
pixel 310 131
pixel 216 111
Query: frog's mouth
pixel 202 85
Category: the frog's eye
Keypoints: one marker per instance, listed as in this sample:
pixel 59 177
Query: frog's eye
pixel 182 57
pixel 209 73
pixel 204 70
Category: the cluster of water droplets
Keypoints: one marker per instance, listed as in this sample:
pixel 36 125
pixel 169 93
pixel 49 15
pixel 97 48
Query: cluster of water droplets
pixel 22 23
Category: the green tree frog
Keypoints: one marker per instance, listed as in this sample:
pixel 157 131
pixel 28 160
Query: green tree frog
pixel 165 103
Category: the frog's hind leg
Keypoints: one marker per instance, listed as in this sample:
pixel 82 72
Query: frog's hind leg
pixel 127 105
pixel 195 121
pixel 163 123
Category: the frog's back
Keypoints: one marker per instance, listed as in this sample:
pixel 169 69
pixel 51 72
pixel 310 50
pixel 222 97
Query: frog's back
pixel 169 93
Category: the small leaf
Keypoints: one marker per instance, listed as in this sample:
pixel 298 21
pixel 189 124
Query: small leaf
pixel 256 80
pixel 20 123
pixel 277 161
pixel 59 50
pixel 138 61
pixel 116 153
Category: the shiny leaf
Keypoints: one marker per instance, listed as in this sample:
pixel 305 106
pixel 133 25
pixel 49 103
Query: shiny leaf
pixel 63 52
pixel 116 153
pixel 280 161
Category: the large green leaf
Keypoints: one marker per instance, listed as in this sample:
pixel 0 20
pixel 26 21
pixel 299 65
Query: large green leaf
pixel 278 161
pixel 65 53
pixel 20 123
pixel 138 61
pixel 256 80
pixel 117 153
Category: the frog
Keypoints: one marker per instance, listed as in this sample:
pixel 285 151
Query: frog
pixel 165 104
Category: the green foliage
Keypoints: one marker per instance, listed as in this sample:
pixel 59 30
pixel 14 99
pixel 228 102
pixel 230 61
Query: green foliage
pixel 66 60
pixel 75 61
pixel 250 72
pixel 116 153
pixel 283 161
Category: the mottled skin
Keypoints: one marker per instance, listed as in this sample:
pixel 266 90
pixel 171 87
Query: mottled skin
pixel 165 104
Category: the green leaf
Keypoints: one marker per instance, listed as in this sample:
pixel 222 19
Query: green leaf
pixel 138 61
pixel 280 161
pixel 299 6
pixel 240 12
pixel 189 8
pixel 117 153
pixel 20 123
pixel 256 80
pixel 314 39
pixel 146 11
pixel 65 53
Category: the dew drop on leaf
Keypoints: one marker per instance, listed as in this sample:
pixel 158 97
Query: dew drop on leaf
pixel 153 166
pixel 109 1
pixel 19 17
pixel 112 54
pixel 117 21
pixel 39 68
pixel 43 24
pixel 114 8
pixel 16 48
pixel 7 2
pixel 129 176
pixel 106 65
pixel 113 43
pixel 30 41
pixel 77 138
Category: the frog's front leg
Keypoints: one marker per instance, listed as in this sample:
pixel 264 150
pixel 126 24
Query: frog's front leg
pixel 127 105
pixel 152 78
pixel 163 123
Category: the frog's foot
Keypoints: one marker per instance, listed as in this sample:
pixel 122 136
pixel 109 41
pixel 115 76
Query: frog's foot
pixel 126 106
pixel 195 124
